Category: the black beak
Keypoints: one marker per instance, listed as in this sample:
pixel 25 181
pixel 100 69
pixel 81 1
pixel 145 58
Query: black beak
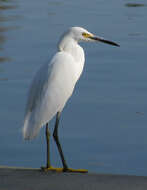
pixel 103 40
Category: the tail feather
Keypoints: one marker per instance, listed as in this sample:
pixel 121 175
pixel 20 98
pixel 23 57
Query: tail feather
pixel 30 129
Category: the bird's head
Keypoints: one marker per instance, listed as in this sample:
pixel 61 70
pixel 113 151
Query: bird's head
pixel 81 34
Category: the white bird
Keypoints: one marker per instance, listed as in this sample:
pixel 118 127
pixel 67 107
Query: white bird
pixel 53 85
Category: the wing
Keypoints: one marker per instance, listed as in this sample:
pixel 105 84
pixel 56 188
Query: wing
pixel 36 89
pixel 50 89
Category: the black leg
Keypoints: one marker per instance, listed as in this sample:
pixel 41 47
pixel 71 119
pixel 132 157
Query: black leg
pixel 48 146
pixel 55 135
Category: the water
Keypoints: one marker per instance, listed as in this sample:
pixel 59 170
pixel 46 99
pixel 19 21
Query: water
pixel 103 127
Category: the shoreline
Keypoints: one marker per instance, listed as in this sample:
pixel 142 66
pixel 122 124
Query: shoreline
pixel 16 178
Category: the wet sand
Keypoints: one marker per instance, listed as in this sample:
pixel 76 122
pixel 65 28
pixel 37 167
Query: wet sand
pixel 12 178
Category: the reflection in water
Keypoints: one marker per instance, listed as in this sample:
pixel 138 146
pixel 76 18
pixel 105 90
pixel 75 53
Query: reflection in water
pixel 4 6
pixel 3 79
pixel 135 34
pixel 4 59
pixel 55 3
pixel 2 39
pixel 135 5
pixel 133 15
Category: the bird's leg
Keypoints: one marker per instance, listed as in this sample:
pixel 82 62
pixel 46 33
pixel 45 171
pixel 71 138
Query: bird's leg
pixel 55 135
pixel 48 165
pixel 47 134
pixel 48 146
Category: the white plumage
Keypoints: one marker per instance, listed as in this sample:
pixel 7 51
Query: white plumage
pixel 53 85
pixel 54 82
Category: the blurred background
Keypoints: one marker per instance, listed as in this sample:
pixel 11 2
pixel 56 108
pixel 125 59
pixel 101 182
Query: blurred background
pixel 103 127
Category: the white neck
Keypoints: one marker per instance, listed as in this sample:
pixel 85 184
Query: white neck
pixel 72 47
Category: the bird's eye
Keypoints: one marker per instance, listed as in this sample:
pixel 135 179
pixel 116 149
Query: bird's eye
pixel 86 35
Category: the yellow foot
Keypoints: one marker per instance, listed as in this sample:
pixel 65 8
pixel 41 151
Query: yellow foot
pixel 64 170
pixel 52 169
pixel 76 170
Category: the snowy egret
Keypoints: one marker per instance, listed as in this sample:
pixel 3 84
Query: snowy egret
pixel 53 85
